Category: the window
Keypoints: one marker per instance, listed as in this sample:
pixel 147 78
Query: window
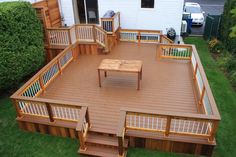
pixel 147 3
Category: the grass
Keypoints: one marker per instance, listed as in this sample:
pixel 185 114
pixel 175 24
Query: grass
pixel 16 143
pixel 225 97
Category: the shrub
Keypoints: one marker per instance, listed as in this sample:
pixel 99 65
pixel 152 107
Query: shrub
pixel 21 43
pixel 232 78
pixel 216 46
pixel 231 65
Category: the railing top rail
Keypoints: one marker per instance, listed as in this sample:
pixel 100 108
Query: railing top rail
pixel 141 30
pixel 171 114
pixel 60 28
pixel 50 101
pixel 110 18
pixel 85 25
pixel 176 45
pixel 206 83
pixel 42 70
pixel 165 37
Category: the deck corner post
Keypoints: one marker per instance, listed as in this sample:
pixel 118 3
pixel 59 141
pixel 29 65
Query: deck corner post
pixel 50 114
pixel 18 111
pixel 168 123
pixel 215 124
pixel 88 118
pixel 81 141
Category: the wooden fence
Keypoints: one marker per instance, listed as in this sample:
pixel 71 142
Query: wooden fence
pixel 111 25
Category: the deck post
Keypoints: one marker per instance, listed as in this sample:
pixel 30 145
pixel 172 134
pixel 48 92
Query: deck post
pixel 59 66
pixel 69 36
pixel 202 95
pixel 88 118
pixel 18 111
pixel 94 34
pixel 121 133
pixel 168 123
pixel 49 109
pixel 139 38
pixel 81 141
pixel 41 83
pixel 215 125
pixel 195 72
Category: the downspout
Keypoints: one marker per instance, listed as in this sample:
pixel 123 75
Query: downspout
pixel 85 11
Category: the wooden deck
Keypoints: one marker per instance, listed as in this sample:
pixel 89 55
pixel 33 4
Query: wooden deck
pixel 167 85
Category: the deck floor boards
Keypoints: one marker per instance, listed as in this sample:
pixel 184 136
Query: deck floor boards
pixel 166 85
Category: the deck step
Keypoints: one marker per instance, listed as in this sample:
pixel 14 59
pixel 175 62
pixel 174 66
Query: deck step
pixel 104 140
pixel 100 151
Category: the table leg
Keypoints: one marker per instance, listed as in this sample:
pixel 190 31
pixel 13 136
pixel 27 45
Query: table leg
pixel 141 73
pixel 99 78
pixel 105 73
pixel 138 81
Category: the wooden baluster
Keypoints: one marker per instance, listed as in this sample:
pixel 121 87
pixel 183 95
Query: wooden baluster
pixel 168 123
pixel 49 109
pixel 214 128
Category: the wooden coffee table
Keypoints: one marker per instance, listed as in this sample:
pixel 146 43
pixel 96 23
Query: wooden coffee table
pixel 129 66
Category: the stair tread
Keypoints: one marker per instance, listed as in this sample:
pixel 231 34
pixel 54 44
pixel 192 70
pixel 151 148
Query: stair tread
pixel 104 140
pixel 100 151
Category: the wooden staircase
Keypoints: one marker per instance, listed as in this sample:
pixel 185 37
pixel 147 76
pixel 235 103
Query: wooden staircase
pixel 102 145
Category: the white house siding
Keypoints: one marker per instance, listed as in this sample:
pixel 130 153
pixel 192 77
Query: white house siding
pixel 165 14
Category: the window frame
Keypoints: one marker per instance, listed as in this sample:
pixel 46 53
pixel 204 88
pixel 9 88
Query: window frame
pixel 147 8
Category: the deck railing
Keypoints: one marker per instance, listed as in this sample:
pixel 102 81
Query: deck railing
pixel 82 33
pixel 202 125
pixel 39 82
pixel 166 123
pixel 111 25
pixel 165 40
pixel 140 36
pixel 189 52
pixel 173 51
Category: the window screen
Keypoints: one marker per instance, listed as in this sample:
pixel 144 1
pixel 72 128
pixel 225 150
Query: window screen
pixel 147 3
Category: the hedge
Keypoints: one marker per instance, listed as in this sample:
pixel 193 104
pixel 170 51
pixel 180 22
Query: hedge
pixel 21 43
pixel 227 23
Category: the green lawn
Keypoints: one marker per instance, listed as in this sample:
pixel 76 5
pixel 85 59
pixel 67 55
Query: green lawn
pixel 16 143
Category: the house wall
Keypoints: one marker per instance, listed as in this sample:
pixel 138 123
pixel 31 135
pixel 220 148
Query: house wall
pixel 165 14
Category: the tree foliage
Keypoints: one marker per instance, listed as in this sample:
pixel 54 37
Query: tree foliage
pixel 21 43
pixel 228 24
